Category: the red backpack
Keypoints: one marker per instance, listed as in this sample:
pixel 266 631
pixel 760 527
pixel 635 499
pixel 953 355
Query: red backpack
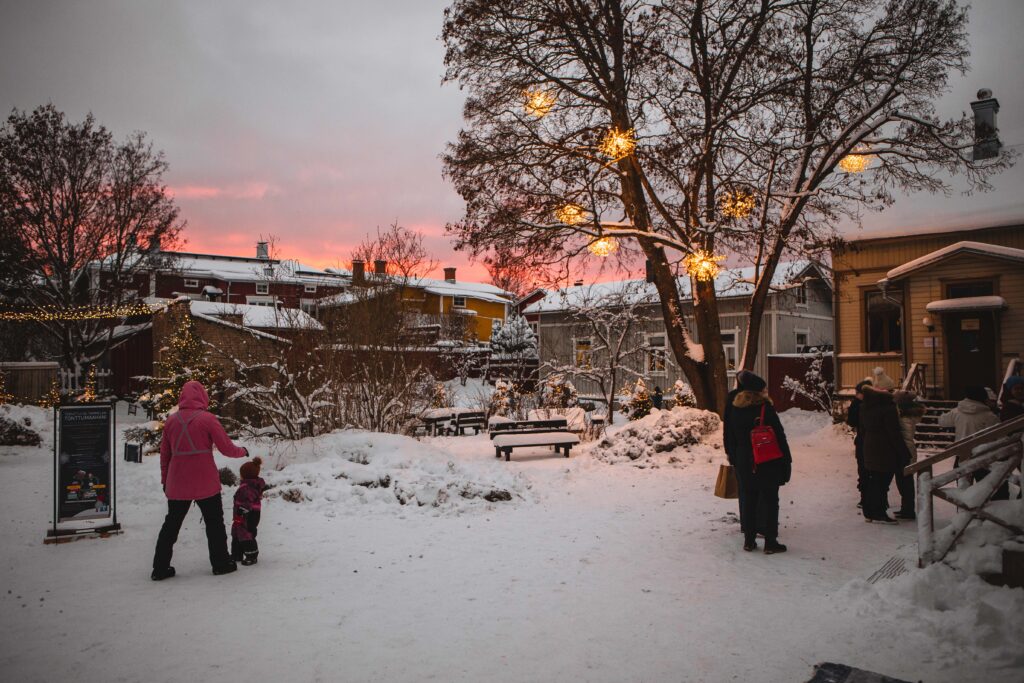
pixel 763 442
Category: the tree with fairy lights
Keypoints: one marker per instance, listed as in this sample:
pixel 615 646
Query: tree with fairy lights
pixel 182 360
pixel 692 132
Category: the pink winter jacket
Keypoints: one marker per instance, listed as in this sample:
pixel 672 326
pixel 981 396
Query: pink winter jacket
pixel 187 470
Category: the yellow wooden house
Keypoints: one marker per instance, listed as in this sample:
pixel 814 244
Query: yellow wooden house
pixel 939 310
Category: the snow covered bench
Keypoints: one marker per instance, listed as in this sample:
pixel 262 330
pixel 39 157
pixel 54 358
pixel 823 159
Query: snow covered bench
pixel 528 426
pixel 504 443
pixel 468 420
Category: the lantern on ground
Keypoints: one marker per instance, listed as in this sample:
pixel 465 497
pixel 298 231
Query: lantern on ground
pixel 603 246
pixel 618 144
pixel 702 265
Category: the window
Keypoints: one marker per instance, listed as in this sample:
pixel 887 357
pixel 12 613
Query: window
pixel 458 302
pixel 962 290
pixel 801 295
pixel 583 353
pixel 308 306
pixel 883 322
pixel 802 339
pixel 309 289
pixel 260 301
pixel 191 284
pixel 731 350
pixel 262 287
pixel 656 354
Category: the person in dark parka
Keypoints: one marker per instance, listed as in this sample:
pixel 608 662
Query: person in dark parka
pixel 853 420
pixel 885 452
pixel 758 486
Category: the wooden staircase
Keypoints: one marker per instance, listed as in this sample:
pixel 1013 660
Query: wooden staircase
pixel 929 437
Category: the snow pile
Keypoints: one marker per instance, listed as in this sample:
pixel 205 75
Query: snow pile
pixel 22 425
pixel 661 431
pixel 355 469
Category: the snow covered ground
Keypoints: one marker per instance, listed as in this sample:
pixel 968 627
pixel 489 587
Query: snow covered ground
pixel 598 571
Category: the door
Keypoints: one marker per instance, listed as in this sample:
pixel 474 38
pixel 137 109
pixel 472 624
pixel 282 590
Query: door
pixel 970 351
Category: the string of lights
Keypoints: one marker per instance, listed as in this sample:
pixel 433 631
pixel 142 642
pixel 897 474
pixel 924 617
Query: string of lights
pixel 58 313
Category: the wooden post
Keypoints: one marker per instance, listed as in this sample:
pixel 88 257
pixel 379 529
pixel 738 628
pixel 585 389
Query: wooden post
pixel 925 518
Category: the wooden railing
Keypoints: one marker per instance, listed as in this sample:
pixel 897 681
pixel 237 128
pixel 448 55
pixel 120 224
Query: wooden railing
pixel 914 381
pixel 998 449
pixel 1014 367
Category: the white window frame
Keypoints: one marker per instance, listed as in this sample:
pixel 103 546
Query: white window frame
pixel 576 352
pixel 735 346
pixel 261 300
pixel 309 288
pixel 800 293
pixel 649 354
pixel 191 283
pixel 455 302
pixel 308 306
pixel 806 331
pixel 263 288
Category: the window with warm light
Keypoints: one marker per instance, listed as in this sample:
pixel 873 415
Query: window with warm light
pixel 883 321
pixel 656 356
pixel 583 353
pixel 729 346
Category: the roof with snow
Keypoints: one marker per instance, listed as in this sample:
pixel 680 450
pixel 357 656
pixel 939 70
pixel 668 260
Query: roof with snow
pixel 257 317
pixel 963 247
pixel 733 282
pixel 470 290
pixel 921 213
pixel 246 269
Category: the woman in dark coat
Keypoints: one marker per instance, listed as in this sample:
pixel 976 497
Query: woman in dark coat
pixel 885 452
pixel 853 419
pixel 758 487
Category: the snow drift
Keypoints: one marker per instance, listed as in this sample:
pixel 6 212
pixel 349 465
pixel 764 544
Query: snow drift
pixel 662 431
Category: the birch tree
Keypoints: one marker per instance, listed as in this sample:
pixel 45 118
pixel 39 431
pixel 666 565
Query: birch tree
pixel 698 130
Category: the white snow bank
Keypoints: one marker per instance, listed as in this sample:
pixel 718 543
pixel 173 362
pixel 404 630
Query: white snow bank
pixel 800 423
pixel 660 432
pixel 355 469
pixel 31 418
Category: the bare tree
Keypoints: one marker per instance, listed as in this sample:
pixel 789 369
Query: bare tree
pixel 403 250
pixel 698 129
pixel 77 199
pixel 612 316
pixel 512 272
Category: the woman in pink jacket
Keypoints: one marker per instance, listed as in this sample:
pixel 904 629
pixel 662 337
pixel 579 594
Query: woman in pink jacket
pixel 188 474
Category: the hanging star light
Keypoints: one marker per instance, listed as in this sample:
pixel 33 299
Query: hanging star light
pixel 702 265
pixel 539 102
pixel 618 144
pixel 737 204
pixel 857 161
pixel 603 246
pixel 571 214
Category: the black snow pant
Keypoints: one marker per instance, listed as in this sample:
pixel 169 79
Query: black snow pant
pixel 759 509
pixel 905 485
pixel 876 504
pixel 251 520
pixel 862 471
pixel 216 539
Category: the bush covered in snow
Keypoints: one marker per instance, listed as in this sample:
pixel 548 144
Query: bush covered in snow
pixel 636 400
pixel 18 426
pixel 355 468
pixel 659 432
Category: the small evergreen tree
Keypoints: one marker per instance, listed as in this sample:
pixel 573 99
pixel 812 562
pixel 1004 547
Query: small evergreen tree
pixel 558 392
pixel 515 339
pixel 682 394
pixel 638 401
pixel 505 399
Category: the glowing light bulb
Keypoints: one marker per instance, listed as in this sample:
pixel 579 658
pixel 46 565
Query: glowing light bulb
pixel 737 204
pixel 539 103
pixel 857 161
pixel 702 265
pixel 603 246
pixel 571 214
pixel 618 144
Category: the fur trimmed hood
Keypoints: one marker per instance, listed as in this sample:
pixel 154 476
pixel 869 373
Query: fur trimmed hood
pixel 746 398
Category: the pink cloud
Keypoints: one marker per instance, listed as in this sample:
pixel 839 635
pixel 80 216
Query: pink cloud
pixel 248 190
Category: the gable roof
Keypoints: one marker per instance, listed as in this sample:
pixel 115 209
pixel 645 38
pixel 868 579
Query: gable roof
pixel 955 249
pixel 732 282
pixel 256 317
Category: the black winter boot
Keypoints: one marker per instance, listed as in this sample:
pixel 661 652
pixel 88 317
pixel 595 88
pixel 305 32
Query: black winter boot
pixel 227 568
pixel 250 557
pixel 161 574
pixel 749 543
pixel 772 546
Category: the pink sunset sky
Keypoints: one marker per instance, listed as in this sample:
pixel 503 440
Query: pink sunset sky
pixel 317 120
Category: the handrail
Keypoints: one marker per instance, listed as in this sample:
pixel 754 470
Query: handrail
pixel 1011 370
pixel 915 379
pixel 966 446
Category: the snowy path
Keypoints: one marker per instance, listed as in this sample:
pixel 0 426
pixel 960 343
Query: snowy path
pixel 613 574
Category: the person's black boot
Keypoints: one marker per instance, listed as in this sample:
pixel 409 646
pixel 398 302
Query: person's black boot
pixel 749 543
pixel 773 546
pixel 161 574
pixel 250 557
pixel 906 514
pixel 227 568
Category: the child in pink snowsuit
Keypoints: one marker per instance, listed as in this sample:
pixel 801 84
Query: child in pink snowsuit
pixel 246 513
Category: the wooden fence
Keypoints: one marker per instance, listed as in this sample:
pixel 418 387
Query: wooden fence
pixel 29 382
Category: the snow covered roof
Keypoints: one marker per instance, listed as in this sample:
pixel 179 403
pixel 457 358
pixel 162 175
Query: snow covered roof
pixel 733 282
pixel 924 213
pixel 474 290
pixel 963 247
pixel 967 303
pixel 259 317
pixel 245 269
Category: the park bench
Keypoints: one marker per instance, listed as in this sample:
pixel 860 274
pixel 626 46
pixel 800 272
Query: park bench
pixel 468 420
pixel 507 436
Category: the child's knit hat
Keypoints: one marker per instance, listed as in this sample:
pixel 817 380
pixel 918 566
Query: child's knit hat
pixel 251 469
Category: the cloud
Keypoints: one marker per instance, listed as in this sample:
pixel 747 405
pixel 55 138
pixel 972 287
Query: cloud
pixel 251 190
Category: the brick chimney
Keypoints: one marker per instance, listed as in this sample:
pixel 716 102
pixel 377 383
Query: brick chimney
pixel 358 271
pixel 262 252
pixel 449 274
pixel 578 283
pixel 380 267
pixel 986 132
